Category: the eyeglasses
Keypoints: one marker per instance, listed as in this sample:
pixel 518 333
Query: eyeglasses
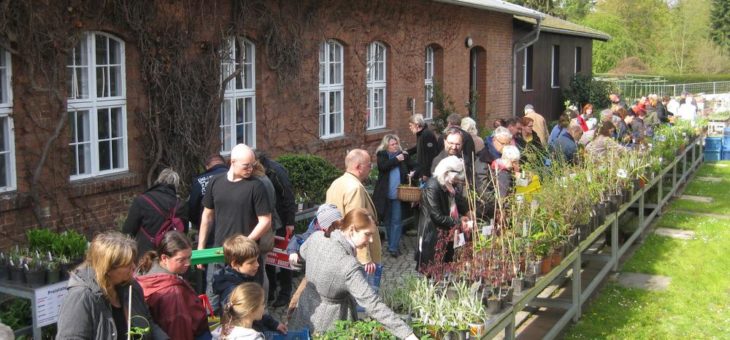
pixel 247 166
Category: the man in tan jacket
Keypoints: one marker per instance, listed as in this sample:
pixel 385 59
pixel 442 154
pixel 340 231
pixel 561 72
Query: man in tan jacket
pixel 539 124
pixel 347 192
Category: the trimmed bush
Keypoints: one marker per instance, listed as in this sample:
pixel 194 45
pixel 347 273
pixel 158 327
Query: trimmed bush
pixel 583 89
pixel 310 176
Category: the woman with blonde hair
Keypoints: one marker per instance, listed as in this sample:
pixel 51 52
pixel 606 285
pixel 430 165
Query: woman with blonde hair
pixel 392 172
pixel 246 305
pixel 335 280
pixel 97 305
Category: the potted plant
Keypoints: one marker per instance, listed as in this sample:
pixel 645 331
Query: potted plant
pixel 15 266
pixel 35 271
pixel 4 269
pixel 53 271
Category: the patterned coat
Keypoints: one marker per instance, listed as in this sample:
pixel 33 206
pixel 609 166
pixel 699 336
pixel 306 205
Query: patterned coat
pixel 335 282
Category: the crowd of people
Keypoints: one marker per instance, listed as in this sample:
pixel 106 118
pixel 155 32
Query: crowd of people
pixel 133 279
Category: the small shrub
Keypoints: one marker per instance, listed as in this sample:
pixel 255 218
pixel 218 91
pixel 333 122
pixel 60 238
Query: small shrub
pixel 310 175
pixel 584 89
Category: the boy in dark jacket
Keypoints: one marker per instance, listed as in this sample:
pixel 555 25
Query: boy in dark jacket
pixel 241 256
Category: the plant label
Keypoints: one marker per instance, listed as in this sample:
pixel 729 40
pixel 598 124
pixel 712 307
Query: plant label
pixel 519 198
pixel 621 173
pixel 522 182
pixel 487 230
pixel 459 240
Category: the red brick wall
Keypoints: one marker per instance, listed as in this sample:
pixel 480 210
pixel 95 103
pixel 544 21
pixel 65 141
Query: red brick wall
pixel 287 111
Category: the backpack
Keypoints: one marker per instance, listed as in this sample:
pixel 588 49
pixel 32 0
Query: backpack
pixel 172 222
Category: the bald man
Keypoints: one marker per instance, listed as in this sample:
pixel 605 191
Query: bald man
pixel 347 193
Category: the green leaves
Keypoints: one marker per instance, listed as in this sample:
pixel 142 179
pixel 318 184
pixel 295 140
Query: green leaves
pixel 310 175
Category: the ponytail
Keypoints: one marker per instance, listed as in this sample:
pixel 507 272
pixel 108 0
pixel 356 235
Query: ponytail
pixel 337 224
pixel 145 263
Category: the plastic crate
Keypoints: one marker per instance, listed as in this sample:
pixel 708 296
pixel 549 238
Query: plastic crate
pixel 290 335
pixel 726 131
pixel 712 156
pixel 726 155
pixel 204 256
pixel 714 143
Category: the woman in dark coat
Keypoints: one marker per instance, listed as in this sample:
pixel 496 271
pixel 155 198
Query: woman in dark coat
pixel 443 208
pixel 392 172
pixel 144 220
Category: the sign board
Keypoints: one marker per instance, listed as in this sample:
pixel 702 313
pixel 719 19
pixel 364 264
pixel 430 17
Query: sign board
pixel 278 256
pixel 48 301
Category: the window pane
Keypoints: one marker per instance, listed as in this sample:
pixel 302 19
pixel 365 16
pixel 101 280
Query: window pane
pixel 104 155
pixel 116 122
pixel 82 126
pixel 102 77
pixel 115 81
pixel 103 123
pixel 3 80
pixel 322 113
pixel 101 50
pixel 118 152
pixel 4 166
pixel 115 52
pixel 239 120
pixel 226 125
pixel 4 134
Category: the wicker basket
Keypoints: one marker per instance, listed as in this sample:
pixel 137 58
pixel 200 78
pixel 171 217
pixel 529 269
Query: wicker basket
pixel 408 193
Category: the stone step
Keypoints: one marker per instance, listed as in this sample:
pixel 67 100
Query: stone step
pixel 642 281
pixel 699 199
pixel 675 233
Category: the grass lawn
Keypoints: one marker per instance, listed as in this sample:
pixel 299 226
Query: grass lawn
pixel 697 303
pixel 720 192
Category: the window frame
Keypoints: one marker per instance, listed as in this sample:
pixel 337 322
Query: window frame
pixel 555 67
pixel 232 94
pixel 327 89
pixel 528 68
pixel 376 86
pixel 428 80
pixel 6 108
pixel 578 60
pixel 94 103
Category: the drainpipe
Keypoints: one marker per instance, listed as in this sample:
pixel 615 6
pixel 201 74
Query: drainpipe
pixel 519 45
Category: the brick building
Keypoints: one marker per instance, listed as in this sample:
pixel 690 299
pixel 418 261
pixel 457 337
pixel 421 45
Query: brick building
pixel 81 113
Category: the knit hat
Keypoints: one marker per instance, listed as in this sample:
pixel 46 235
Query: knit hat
pixel 326 215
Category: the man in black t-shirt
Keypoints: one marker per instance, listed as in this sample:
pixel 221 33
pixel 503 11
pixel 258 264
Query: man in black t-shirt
pixel 238 204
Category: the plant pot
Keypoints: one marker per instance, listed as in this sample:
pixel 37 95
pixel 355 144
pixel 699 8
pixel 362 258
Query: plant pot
pixel 35 278
pixel 4 272
pixel 53 275
pixel 517 285
pixel 547 266
pixel 556 258
pixel 494 305
pixel 529 281
pixel 477 330
pixel 17 275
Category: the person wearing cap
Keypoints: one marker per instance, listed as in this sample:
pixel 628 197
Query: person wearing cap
pixel 539 124
pixel 326 215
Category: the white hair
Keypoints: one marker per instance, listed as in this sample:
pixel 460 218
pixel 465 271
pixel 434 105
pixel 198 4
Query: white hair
pixel 511 153
pixel 502 131
pixel 449 168
pixel 469 125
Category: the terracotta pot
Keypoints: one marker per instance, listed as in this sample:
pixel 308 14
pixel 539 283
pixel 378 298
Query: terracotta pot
pixel 546 266
pixel 556 258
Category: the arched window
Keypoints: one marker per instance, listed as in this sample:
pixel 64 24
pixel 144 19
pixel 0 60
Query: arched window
pixel 428 83
pixel 97 106
pixel 7 137
pixel 331 89
pixel 238 110
pixel 376 85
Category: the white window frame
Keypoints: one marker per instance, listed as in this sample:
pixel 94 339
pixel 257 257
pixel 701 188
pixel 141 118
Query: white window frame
pixel 527 65
pixel 555 83
pixel 6 107
pixel 428 82
pixel 331 89
pixel 240 94
pixel 92 103
pixel 577 59
pixel 377 85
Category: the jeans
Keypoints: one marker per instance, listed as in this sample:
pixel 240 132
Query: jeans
pixel 394 225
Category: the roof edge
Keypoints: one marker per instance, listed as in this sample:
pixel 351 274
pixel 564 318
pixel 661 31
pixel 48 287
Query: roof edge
pixel 496 6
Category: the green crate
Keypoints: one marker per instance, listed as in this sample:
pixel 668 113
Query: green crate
pixel 204 256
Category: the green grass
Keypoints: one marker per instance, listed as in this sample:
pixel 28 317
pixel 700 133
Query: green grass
pixel 697 303
pixel 720 192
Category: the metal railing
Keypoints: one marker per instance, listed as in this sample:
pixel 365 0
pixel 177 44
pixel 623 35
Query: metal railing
pixel 636 88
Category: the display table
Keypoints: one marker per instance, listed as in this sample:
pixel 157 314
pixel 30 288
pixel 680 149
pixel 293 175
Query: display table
pixel 45 302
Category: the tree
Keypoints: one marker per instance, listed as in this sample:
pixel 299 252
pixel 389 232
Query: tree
pixel 685 33
pixel 621 45
pixel 720 24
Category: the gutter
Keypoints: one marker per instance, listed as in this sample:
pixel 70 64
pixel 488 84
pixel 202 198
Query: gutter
pixel 528 40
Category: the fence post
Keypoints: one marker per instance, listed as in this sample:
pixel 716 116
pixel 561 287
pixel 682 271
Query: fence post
pixel 714 86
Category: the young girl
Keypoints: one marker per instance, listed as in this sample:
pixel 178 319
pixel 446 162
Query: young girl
pixel 173 302
pixel 245 306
